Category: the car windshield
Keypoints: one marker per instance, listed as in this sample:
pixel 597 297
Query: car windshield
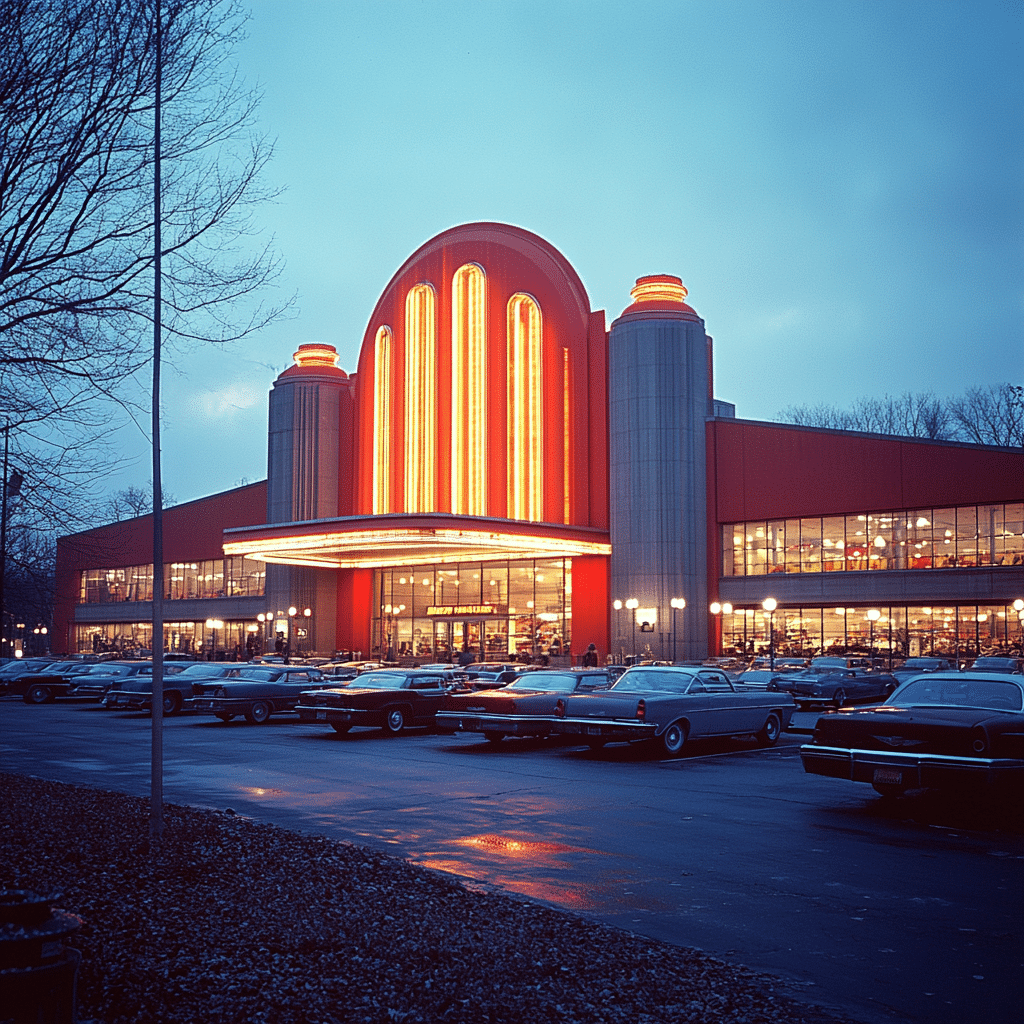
pixel 559 682
pixel 264 675
pixel 929 691
pixel 111 670
pixel 380 681
pixel 639 679
pixel 994 664
pixel 210 671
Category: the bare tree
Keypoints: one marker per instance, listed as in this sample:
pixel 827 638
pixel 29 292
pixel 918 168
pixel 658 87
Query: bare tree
pixel 991 415
pixel 129 503
pixel 76 225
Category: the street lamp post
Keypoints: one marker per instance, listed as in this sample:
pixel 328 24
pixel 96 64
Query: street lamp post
pixel 678 603
pixel 213 625
pixel 873 616
pixel 617 605
pixel 769 604
pixel 632 604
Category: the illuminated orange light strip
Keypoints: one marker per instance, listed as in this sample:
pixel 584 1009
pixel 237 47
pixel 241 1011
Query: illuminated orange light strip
pixel 525 401
pixel 658 291
pixel 420 404
pixel 382 425
pixel 566 436
pixel 469 389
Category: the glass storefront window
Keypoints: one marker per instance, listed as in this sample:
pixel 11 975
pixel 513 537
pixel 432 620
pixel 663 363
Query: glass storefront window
pixel 944 538
pixel 810 545
pixel 491 609
pixel 1012 546
pixel 833 543
pixel 967 536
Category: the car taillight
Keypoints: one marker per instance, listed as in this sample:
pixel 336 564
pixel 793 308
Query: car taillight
pixel 559 708
pixel 641 709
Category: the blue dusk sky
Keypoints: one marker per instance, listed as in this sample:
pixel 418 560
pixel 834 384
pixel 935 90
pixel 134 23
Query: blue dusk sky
pixel 839 184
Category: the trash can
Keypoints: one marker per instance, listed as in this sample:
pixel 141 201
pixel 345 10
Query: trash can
pixel 37 971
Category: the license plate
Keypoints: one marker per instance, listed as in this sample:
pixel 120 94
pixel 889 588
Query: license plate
pixel 888 776
pixel 593 730
pixel 321 716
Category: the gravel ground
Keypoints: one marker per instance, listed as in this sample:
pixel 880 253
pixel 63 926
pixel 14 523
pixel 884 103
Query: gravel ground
pixel 236 921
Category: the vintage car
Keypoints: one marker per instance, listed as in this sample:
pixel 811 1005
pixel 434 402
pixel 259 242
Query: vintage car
pixel 942 730
pixel 41 682
pixel 524 707
pixel 835 686
pixel 256 691
pixel 670 705
pixel 136 692
pixel 112 675
pixel 917 666
pixel 1009 665
pixel 388 699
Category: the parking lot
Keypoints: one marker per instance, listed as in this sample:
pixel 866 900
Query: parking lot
pixel 906 911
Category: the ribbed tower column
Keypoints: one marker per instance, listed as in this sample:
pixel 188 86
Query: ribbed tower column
pixel 302 485
pixel 659 389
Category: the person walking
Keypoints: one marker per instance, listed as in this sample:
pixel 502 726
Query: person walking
pixel 590 657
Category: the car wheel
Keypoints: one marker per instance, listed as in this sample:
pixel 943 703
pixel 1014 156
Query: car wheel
pixel 258 713
pixel 839 697
pixel 340 728
pixel 769 735
pixel 673 739
pixel 494 737
pixel 224 716
pixel 172 702
pixel 394 722
pixel 37 694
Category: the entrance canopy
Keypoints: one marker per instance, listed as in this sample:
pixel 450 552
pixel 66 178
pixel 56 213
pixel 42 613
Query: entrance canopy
pixel 355 542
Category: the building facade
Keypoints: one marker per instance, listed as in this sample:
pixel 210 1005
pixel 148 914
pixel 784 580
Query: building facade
pixel 504 475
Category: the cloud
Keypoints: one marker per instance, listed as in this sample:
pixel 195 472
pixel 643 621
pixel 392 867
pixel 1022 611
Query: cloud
pixel 227 402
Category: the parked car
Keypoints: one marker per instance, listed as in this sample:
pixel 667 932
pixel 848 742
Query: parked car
pixel 489 675
pixel 389 698
pixel 761 678
pixel 18 668
pixel 44 683
pixel 524 707
pixel 836 686
pixel 916 666
pixel 136 693
pixel 1013 666
pixel 112 675
pixel 943 730
pixel 671 705
pixel 256 691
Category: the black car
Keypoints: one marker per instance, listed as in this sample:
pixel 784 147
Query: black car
pixel 389 699
pixel 136 692
pixel 917 666
pixel 112 675
pixel 944 730
pixel 1013 666
pixel 836 686
pixel 46 684
pixel 255 691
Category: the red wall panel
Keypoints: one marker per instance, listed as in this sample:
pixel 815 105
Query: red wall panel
pixel 771 471
pixel 590 606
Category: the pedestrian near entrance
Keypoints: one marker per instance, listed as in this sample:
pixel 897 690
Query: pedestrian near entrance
pixel 590 657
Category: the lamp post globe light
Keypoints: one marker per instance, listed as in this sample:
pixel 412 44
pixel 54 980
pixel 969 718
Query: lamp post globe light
pixel 632 604
pixel 678 604
pixel 769 604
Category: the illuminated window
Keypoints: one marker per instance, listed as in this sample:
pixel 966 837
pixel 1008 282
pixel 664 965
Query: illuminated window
pixel 420 399
pixel 382 420
pixel 525 410
pixel 469 389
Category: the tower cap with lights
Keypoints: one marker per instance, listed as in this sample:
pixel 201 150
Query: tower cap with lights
pixel 658 294
pixel 315 359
